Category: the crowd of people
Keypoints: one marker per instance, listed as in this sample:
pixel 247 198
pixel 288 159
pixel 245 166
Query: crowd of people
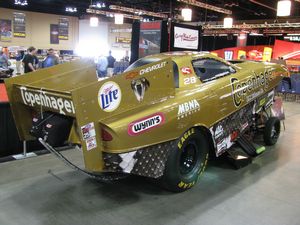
pixel 30 60
pixel 106 66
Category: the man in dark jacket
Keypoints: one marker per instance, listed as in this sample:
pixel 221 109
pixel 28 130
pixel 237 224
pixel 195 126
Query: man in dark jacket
pixel 111 61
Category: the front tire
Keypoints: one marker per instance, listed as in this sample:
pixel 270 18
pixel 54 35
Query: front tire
pixel 271 131
pixel 186 162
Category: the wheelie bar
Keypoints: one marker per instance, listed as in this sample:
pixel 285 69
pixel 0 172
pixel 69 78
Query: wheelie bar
pixel 248 147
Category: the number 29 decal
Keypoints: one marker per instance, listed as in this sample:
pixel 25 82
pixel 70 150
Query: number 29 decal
pixel 189 80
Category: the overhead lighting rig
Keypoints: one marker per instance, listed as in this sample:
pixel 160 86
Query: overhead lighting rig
pixel 138 11
pixel 206 6
pixel 265 28
pixel 110 14
pixel 98 5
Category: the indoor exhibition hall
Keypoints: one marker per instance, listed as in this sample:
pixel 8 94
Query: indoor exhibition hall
pixel 150 112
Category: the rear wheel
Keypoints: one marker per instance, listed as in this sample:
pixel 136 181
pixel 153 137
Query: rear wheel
pixel 186 162
pixel 272 131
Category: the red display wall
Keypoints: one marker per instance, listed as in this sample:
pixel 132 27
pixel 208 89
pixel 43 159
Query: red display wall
pixel 286 49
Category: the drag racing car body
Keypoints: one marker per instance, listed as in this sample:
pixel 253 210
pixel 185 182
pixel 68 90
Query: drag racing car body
pixel 158 119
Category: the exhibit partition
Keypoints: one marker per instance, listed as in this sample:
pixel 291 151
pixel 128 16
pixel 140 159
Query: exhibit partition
pixel 148 38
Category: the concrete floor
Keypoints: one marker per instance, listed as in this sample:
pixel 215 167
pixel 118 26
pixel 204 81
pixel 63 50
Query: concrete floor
pixel 42 190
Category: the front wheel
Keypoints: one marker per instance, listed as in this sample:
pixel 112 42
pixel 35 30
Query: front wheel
pixel 272 131
pixel 186 162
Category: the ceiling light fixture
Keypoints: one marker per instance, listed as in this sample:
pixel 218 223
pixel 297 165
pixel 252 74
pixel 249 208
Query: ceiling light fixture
pixel 206 6
pixel 186 13
pixel 21 2
pixel 94 21
pixel 228 22
pixel 119 19
pixel 71 9
pixel 284 8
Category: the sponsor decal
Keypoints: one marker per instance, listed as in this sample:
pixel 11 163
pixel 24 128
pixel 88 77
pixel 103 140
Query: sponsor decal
pixel 185 136
pixel 189 80
pixel 186 70
pixel 139 87
pixel 153 68
pixel 240 89
pixel 188 108
pixel 91 143
pixel 131 75
pixel 109 96
pixel 219 131
pixel 186 37
pixel 145 124
pixel 45 99
pixel 88 131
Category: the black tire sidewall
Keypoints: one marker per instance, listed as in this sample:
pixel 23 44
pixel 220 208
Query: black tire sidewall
pixel 173 179
pixel 271 122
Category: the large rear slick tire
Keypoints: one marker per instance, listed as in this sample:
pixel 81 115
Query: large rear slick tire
pixel 186 162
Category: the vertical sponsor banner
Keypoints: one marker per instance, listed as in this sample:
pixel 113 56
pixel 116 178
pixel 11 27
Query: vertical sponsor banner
pixel 267 55
pixel 228 55
pixel 241 54
pixel 5 30
pixel 63 29
pixel 186 38
pixel 19 25
pixel 150 38
pixel 54 34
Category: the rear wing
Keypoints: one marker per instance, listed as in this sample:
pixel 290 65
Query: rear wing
pixel 72 89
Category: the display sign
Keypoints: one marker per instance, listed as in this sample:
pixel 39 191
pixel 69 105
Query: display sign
pixel 19 25
pixel 123 40
pixel 242 54
pixel 228 55
pixel 63 29
pixel 186 38
pixel 150 38
pixel 267 54
pixel 5 30
pixel 293 38
pixel 54 34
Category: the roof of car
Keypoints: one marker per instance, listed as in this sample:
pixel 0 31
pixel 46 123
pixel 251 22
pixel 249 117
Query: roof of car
pixel 178 54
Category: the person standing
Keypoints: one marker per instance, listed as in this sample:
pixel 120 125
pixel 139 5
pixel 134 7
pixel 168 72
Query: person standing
pixel 3 60
pixel 51 59
pixel 102 65
pixel 29 60
pixel 111 61
pixel 19 58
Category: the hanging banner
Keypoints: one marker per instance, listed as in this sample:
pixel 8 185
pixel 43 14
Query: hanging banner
pixel 186 38
pixel 267 54
pixel 150 38
pixel 19 25
pixel 63 29
pixel 54 34
pixel 5 30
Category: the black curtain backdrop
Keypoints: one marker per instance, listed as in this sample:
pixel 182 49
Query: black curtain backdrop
pixel 172 48
pixel 210 43
pixel 135 36
pixel 164 37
